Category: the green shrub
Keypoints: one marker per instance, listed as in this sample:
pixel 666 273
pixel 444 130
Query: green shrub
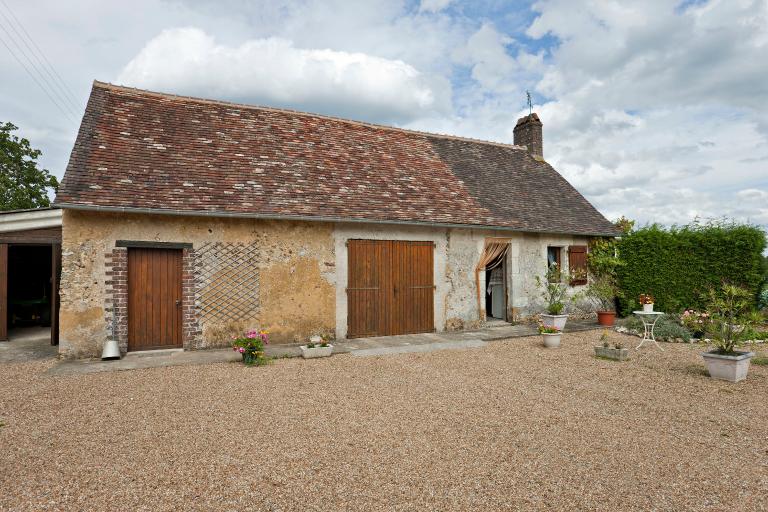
pixel 679 265
pixel 762 300
pixel 667 328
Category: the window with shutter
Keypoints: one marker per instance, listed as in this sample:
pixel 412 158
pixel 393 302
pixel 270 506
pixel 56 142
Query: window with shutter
pixel 577 264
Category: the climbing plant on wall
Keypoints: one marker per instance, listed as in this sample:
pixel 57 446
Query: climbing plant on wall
pixel 680 264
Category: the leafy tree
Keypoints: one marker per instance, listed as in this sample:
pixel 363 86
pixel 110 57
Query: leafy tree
pixel 603 263
pixel 22 183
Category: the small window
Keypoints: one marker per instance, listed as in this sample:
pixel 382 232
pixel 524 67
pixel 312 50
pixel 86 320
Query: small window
pixel 553 259
pixel 553 256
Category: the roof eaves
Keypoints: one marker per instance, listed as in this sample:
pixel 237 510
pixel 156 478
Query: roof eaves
pixel 306 218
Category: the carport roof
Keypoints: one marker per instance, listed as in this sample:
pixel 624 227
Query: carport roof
pixel 149 152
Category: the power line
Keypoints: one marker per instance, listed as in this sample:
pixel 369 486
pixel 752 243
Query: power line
pixel 70 95
pixel 32 63
pixel 63 111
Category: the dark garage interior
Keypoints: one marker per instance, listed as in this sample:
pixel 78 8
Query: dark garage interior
pixel 30 268
pixel 29 286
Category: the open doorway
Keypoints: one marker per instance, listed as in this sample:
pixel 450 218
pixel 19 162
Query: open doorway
pixel 496 289
pixel 30 292
pixel 30 268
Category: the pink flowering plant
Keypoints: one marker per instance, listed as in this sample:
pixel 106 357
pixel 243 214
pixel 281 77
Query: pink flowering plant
pixel 546 329
pixel 251 346
pixel 695 321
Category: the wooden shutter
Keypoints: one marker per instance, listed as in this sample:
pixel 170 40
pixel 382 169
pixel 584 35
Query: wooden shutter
pixel 577 264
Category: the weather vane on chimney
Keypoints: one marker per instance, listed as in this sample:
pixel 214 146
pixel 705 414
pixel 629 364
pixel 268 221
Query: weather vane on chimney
pixel 530 105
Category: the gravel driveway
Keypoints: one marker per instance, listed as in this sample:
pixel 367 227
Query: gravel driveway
pixel 511 426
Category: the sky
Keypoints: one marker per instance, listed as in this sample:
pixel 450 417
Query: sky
pixel 655 110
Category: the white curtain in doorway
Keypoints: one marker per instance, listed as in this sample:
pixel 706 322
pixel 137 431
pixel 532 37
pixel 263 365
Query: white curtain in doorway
pixel 493 254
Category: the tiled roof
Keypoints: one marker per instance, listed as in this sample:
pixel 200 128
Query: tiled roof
pixel 139 150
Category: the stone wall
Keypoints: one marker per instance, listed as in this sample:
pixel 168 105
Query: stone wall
pixel 295 269
pixel 287 277
pixel 528 259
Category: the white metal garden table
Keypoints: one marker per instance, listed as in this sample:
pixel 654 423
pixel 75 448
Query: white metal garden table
pixel 649 319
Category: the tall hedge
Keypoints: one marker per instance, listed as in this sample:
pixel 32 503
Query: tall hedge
pixel 678 265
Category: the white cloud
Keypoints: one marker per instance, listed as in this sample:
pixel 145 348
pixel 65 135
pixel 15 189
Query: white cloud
pixel 654 111
pixel 657 113
pixel 434 5
pixel 272 71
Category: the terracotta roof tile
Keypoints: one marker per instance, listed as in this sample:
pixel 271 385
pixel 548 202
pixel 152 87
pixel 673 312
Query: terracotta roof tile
pixel 142 150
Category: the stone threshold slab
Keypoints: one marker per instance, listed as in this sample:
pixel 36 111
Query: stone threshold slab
pixel 427 347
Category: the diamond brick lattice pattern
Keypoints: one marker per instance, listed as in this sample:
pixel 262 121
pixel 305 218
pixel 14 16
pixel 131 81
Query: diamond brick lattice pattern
pixel 227 282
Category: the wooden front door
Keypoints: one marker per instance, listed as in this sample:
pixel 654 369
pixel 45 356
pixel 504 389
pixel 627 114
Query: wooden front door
pixel 391 288
pixel 154 298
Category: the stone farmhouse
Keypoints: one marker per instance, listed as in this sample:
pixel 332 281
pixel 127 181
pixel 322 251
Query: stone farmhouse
pixel 187 220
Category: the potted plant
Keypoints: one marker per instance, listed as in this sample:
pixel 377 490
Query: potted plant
pixel 554 288
pixel 646 300
pixel 251 346
pixel 602 292
pixel 728 317
pixel 318 346
pixel 616 352
pixel 550 335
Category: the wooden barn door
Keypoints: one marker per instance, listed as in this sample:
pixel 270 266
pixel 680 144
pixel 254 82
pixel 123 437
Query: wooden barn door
pixel 154 298
pixel 391 288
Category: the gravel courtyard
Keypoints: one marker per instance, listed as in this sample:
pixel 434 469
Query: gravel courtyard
pixel 511 426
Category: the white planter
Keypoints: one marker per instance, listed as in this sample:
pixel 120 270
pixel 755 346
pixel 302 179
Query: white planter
pixel 554 321
pixel 647 308
pixel 551 340
pixel 730 368
pixel 311 353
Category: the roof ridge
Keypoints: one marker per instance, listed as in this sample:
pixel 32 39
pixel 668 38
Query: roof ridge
pixel 110 86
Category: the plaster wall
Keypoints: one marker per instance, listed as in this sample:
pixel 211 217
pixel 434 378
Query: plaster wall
pixel 457 252
pixel 302 273
pixel 295 266
pixel 528 259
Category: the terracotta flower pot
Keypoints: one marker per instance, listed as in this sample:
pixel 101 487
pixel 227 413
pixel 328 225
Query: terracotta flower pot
pixel 606 318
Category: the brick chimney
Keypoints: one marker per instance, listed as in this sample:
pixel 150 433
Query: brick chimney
pixel 528 133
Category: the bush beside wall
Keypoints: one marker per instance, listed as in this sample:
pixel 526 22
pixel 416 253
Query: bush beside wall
pixel 678 265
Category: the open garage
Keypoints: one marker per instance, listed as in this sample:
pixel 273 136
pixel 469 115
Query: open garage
pixel 30 263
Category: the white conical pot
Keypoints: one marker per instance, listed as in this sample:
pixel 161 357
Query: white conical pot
pixel 110 350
